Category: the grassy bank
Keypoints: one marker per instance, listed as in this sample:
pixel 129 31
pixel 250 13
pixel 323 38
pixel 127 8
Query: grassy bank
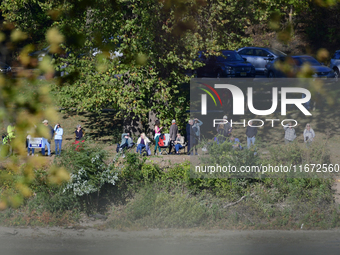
pixel 136 193
pixel 159 191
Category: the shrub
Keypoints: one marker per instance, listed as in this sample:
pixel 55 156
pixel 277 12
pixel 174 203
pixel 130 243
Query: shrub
pixel 89 170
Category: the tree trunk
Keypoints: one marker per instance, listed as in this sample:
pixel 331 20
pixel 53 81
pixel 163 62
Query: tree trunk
pixel 151 124
pixel 133 126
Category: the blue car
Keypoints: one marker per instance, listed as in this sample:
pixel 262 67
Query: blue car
pixel 335 63
pixel 259 57
pixel 228 64
pixel 293 64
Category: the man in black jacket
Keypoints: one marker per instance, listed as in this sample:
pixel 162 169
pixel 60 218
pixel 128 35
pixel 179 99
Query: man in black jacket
pixel 224 130
pixel 191 136
pixel 251 134
pixel 173 133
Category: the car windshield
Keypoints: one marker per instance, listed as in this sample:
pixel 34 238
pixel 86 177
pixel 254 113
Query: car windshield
pixel 307 59
pixel 229 56
pixel 278 53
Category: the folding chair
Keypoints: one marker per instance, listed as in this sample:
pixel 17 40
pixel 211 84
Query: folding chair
pixel 166 144
pixel 145 150
pixel 185 145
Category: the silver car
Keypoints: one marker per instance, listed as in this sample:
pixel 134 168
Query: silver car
pixel 259 57
pixel 335 63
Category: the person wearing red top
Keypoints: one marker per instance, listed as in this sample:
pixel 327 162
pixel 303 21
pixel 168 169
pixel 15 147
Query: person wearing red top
pixel 157 134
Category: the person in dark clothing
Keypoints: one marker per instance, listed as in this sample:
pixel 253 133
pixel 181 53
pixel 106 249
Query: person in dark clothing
pixel 191 136
pixel 79 133
pixel 224 130
pixel 173 133
pixel 251 133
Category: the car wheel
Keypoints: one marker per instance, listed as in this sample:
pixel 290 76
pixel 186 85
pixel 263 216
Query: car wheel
pixel 219 74
pixel 271 74
pixel 336 70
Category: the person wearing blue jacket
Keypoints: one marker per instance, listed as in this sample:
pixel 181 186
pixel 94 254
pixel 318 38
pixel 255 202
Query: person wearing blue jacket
pixel 58 138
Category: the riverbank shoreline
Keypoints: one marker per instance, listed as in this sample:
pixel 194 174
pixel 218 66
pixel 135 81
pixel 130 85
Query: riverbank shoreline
pixel 56 240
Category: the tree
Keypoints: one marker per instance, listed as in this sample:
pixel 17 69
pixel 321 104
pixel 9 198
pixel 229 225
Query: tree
pixel 160 41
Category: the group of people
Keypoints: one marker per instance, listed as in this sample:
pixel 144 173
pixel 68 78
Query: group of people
pixel 290 134
pixel 193 132
pixel 49 133
pixel 224 132
pixel 176 140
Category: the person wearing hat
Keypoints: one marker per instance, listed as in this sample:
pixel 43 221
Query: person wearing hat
pixel 173 133
pixel 79 133
pixel 47 138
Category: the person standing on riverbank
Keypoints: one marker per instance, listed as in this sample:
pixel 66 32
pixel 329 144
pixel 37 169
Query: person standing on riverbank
pixel 308 135
pixel 290 134
pixel 173 133
pixel 251 133
pixel 157 134
pixel 58 138
pixel 47 138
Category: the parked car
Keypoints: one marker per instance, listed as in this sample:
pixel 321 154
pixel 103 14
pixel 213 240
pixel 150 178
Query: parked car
pixel 259 57
pixel 40 54
pixel 228 64
pixel 296 62
pixel 110 46
pixel 335 63
pixel 5 69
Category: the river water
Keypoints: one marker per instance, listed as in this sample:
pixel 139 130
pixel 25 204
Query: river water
pixel 29 241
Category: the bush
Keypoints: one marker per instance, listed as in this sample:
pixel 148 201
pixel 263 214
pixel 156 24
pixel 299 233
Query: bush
pixel 89 170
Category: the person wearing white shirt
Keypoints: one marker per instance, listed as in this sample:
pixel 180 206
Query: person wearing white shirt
pixel 58 138
pixel 308 135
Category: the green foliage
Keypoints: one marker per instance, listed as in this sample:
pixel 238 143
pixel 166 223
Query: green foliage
pixel 224 154
pixel 150 172
pixel 296 154
pixel 162 209
pixel 89 170
pixel 131 173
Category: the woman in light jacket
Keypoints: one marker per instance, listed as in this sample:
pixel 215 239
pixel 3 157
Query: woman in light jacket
pixel 179 143
pixel 308 134
pixel 58 138
pixel 142 142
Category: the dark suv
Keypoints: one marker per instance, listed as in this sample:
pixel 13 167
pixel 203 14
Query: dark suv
pixel 228 64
